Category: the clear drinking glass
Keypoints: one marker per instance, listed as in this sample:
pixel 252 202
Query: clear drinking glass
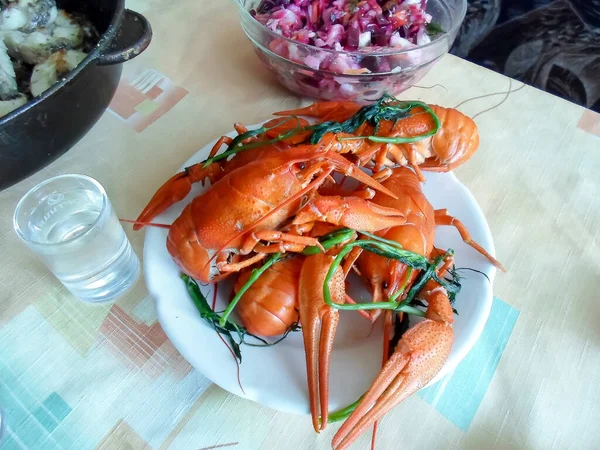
pixel 69 223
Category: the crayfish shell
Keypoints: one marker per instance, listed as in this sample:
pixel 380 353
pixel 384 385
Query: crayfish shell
pixel 269 306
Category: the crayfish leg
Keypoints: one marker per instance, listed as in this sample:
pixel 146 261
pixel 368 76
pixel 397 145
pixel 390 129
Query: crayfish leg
pixel 443 218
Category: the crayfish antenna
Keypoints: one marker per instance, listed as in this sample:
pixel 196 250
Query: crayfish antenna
pixel 146 224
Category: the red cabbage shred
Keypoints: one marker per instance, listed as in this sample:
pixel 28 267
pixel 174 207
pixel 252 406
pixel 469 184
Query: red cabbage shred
pixel 347 24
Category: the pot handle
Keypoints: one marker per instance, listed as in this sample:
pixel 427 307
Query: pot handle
pixel 131 39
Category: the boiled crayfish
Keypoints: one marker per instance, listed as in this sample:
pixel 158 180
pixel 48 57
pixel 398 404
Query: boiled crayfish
pixel 275 214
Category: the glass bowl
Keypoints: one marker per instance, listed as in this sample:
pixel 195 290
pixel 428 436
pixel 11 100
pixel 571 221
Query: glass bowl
pixel 299 67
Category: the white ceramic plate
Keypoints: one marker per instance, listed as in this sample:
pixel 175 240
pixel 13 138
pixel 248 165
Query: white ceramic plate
pixel 276 376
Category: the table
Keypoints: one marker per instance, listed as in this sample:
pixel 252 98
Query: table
pixel 78 376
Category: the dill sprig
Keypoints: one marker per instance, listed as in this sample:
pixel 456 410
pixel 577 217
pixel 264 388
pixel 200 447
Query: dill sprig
pixel 387 108
pixel 229 329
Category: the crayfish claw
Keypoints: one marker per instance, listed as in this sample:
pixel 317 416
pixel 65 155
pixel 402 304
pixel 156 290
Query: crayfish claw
pixel 176 189
pixel 319 323
pixel 417 359
pixel 173 191
pixel 330 110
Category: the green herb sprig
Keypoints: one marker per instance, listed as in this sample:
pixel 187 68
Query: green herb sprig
pixel 256 273
pixel 327 241
pixel 229 329
pixel 235 147
pixel 212 317
pixel 399 292
pixel 391 250
pixel 330 240
pixel 344 413
pixel 386 108
pixel 424 278
pixel 384 249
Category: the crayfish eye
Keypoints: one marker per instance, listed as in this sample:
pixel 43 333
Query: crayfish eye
pixel 301 166
pixel 385 285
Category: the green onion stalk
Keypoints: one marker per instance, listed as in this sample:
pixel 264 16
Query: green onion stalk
pixel 256 273
pixel 411 259
pixel 391 250
pixel 344 413
pixel 327 241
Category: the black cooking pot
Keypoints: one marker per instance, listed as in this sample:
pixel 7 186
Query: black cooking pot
pixel 36 134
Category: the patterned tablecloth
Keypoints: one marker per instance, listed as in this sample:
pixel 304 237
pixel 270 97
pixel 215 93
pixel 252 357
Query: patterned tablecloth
pixel 76 376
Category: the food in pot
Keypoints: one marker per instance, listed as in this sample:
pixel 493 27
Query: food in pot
pixel 58 64
pixel 39 44
pixel 10 98
pixel 27 15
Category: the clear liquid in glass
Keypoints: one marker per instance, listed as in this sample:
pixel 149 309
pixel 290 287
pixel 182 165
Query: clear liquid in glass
pixel 74 229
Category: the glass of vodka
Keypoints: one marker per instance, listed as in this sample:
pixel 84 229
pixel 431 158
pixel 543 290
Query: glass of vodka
pixel 69 223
